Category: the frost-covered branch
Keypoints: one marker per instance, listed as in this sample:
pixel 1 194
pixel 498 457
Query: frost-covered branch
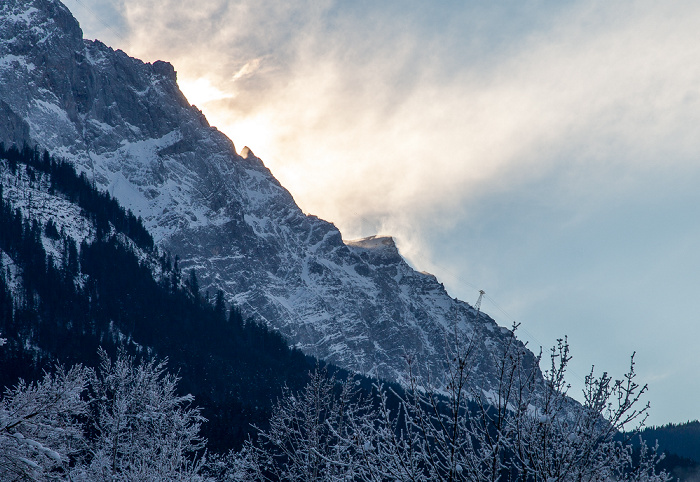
pixel 40 427
pixel 142 429
pixel 524 427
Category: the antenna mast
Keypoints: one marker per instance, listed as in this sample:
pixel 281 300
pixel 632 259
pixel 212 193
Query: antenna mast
pixel 477 305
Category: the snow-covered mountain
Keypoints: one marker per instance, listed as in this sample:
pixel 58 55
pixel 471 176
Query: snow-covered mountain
pixel 126 124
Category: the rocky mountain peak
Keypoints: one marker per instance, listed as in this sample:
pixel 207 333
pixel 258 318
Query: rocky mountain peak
pixel 165 69
pixel 247 153
pixel 38 26
pixel 376 249
pixel 129 128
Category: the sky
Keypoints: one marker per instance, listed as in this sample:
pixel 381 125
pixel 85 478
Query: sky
pixel 547 152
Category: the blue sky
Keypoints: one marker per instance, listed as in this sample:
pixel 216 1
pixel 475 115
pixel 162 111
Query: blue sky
pixel 546 152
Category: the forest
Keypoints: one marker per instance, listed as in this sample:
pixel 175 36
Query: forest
pixel 100 294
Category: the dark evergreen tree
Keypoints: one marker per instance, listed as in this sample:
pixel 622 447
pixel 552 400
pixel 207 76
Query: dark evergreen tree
pixel 220 305
pixel 51 231
pixel 193 285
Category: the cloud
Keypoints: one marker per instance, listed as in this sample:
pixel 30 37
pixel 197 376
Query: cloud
pixel 368 113
pixel 201 91
pixel 248 69
pixel 407 110
pixel 403 119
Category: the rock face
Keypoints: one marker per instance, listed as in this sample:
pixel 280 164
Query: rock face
pixel 126 124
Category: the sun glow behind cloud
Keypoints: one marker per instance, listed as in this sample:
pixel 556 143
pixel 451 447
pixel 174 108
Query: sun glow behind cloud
pixel 342 92
pixel 535 146
pixel 380 119
pixel 201 91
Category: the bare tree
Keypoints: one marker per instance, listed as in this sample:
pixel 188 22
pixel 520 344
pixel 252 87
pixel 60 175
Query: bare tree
pixel 322 433
pixel 525 427
pixel 558 439
pixel 522 427
pixel 142 429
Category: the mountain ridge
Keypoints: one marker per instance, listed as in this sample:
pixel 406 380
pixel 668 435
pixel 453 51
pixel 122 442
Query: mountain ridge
pixel 129 128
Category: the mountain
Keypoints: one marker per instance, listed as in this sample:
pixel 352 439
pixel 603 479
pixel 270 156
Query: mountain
pixel 126 125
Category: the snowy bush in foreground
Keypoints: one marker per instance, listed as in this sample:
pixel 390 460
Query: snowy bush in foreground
pixel 525 429
pixel 39 425
pixel 143 431
pixel 123 422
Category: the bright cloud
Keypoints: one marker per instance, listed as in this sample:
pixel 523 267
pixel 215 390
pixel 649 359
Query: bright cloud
pixel 376 123
pixel 201 91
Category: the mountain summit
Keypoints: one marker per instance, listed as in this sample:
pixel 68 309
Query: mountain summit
pixel 128 127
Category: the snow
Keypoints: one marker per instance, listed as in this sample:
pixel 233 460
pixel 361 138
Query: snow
pixel 94 57
pixel 34 200
pixel 14 61
pixel 259 225
pixel 30 463
pixel 103 126
pixel 373 243
pixel 52 109
pixel 8 264
pixel 24 17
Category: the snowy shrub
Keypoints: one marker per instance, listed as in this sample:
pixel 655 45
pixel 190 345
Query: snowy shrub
pixel 40 426
pixel 139 428
pixel 525 428
pixel 124 421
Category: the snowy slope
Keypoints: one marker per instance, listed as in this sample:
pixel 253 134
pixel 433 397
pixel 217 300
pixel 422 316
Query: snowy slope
pixel 31 193
pixel 126 124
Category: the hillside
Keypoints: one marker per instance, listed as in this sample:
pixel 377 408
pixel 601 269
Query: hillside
pixel 78 272
pixel 682 439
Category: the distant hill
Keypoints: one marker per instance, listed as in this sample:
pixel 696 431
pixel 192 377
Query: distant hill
pixel 680 444
pixel 681 439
